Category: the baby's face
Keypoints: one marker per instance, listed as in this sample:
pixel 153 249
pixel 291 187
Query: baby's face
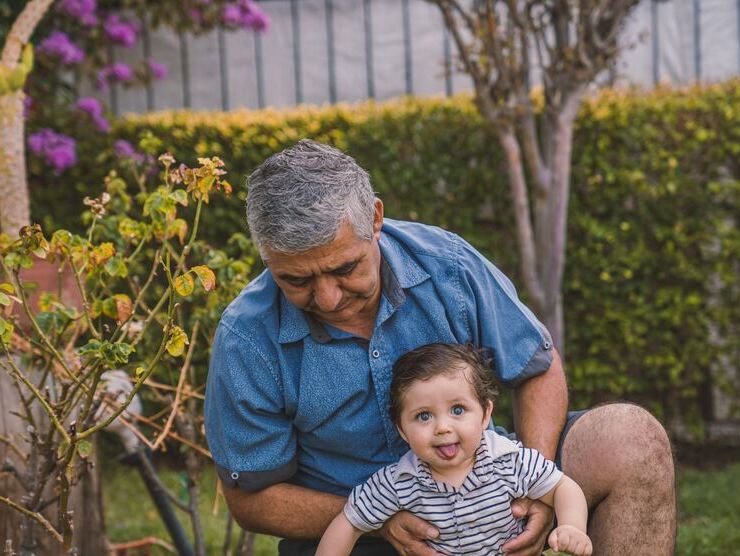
pixel 442 420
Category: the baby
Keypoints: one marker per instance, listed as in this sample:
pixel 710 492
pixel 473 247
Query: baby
pixel 458 475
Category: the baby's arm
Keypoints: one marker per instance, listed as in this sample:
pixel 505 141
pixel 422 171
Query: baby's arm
pixel 339 538
pixel 572 513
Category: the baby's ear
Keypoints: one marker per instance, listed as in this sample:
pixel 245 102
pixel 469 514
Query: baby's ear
pixel 488 412
pixel 400 431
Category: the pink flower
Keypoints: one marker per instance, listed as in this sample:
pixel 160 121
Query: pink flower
pixel 59 150
pixel 115 73
pixel 120 31
pixel 244 14
pixel 124 149
pixel 231 15
pixel 59 45
pixel 81 10
pixel 90 106
pixel 27 105
pixel 157 70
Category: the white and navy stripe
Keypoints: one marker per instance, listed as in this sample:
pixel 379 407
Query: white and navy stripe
pixel 472 519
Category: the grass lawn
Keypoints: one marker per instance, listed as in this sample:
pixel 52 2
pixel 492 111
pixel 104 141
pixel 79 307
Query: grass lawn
pixel 709 511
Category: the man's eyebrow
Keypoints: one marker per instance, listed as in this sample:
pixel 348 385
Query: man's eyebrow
pixel 342 266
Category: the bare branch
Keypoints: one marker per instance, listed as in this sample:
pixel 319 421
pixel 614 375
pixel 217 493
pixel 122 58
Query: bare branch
pixel 178 391
pixel 40 519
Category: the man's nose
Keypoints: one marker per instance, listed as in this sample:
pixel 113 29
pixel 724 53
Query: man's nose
pixel 327 295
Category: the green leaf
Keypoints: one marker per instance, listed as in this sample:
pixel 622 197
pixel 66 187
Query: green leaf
pixel 116 267
pixel 206 276
pixel 115 354
pixel 6 331
pixel 180 196
pixel 7 287
pixel 50 321
pixel 139 372
pixel 4 299
pixel 184 284
pixel 109 308
pixel 176 342
pixel 84 448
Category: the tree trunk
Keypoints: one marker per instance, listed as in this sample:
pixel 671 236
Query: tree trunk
pixel 14 205
pixel 14 211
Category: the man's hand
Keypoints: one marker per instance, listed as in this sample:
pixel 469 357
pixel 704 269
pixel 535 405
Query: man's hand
pixel 407 534
pixel 531 541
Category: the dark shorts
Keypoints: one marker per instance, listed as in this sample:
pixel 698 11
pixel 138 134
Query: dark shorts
pixel 375 546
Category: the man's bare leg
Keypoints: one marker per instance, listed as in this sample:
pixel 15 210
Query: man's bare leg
pixel 621 457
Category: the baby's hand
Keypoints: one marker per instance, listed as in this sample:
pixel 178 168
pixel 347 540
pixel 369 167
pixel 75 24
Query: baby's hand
pixel 566 538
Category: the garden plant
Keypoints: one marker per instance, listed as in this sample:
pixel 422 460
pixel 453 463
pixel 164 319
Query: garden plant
pixel 142 300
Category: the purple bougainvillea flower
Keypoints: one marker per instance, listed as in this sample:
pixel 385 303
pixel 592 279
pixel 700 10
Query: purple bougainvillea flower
pixel 157 70
pixel 115 73
pixel 94 109
pixel 124 149
pixel 27 105
pixel 245 14
pixel 90 106
pixel 57 149
pixel 121 31
pixel 59 45
pixel 101 123
pixel 81 10
pixel 256 19
pixel 231 15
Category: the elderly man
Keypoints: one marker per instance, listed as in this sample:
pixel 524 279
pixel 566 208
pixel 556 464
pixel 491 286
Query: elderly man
pixel 297 395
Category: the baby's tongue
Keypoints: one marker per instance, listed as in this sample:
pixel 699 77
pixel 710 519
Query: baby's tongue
pixel 448 450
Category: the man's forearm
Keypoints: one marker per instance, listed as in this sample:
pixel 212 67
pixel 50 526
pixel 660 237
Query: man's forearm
pixel 284 510
pixel 540 406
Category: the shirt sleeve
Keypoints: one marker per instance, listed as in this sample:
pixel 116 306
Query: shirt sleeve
pixel 374 502
pixel 520 344
pixel 535 475
pixel 249 434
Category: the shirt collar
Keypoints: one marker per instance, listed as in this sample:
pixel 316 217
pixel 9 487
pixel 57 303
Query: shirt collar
pixel 492 447
pixel 397 272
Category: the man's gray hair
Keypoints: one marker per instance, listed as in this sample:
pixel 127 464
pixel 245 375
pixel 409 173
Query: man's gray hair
pixel 299 197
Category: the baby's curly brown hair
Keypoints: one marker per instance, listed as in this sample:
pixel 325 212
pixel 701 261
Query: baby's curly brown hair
pixel 431 360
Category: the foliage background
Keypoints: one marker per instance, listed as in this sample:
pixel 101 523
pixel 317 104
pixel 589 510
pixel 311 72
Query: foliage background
pixel 651 286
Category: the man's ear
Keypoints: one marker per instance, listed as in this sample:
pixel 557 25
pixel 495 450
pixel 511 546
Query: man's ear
pixel 377 218
pixel 402 435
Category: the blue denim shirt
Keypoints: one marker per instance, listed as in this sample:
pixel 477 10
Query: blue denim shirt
pixel 291 399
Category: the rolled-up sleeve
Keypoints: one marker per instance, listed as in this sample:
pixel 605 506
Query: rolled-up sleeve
pixel 250 437
pixel 520 344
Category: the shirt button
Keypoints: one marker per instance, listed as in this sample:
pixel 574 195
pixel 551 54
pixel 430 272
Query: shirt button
pixel 375 353
pixel 235 475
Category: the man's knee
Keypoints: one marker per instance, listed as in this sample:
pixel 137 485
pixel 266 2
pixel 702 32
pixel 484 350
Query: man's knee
pixel 616 444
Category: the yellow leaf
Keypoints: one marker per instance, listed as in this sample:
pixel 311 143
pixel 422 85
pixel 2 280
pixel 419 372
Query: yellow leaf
pixel 206 276
pixel 124 306
pixel 176 342
pixel 184 284
pixel 103 252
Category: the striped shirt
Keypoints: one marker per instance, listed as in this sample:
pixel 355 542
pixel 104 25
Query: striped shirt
pixel 475 518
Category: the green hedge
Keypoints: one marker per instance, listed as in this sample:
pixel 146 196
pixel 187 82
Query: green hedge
pixel 651 284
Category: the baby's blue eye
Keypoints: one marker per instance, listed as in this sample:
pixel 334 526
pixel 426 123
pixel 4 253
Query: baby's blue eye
pixel 458 410
pixel 423 416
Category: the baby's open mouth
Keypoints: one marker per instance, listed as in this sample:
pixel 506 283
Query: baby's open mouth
pixel 447 451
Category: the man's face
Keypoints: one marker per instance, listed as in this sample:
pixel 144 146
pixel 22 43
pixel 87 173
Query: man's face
pixel 339 282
